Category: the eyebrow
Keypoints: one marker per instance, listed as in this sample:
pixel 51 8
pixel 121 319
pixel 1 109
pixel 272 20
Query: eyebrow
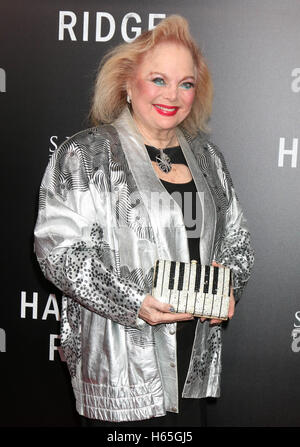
pixel 165 76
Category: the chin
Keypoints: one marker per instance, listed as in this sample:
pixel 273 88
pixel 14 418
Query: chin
pixel 171 124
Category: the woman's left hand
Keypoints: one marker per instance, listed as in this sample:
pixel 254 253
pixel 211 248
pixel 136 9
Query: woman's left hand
pixel 231 304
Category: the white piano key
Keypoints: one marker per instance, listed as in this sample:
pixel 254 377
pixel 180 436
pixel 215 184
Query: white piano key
pixel 165 293
pixel 226 281
pixel 174 299
pixel 191 302
pixel 201 287
pixel 186 279
pixel 220 287
pixel 193 275
pixel 200 296
pixel 216 307
pixel 199 304
pixel 174 292
pixel 190 306
pixel 226 292
pixel 224 307
pixel 182 301
pixel 216 310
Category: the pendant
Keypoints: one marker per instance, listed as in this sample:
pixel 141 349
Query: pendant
pixel 163 162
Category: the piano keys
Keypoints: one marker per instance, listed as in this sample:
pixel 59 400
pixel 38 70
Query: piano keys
pixel 202 290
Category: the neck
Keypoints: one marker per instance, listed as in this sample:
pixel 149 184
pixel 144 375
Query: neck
pixel 160 138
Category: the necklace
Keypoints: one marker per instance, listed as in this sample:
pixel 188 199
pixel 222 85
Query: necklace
pixel 162 158
pixel 163 161
pixel 173 154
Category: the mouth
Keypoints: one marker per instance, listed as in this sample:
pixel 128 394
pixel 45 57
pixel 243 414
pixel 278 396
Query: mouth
pixel 162 109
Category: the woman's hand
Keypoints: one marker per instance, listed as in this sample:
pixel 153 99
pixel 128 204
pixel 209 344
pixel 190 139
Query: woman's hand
pixel 231 303
pixel 155 312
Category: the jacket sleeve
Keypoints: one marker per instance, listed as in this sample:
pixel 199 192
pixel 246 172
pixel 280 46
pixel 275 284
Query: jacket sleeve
pixel 73 242
pixel 235 249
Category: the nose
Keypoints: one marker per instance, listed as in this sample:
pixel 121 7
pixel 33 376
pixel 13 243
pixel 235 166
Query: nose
pixel 171 92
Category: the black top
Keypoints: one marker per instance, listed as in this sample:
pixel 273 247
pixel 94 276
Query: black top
pixel 185 194
pixel 187 198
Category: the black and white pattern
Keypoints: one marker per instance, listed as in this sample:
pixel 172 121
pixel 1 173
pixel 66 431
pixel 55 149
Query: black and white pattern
pixel 94 240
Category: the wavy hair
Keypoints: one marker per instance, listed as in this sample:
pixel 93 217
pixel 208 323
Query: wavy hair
pixel 118 66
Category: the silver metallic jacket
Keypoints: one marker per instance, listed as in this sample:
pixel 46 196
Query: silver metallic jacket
pixel 99 231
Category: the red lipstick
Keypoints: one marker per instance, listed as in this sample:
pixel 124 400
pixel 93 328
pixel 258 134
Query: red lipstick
pixel 164 110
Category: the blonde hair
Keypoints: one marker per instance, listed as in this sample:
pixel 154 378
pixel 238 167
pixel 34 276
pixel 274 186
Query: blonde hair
pixel 118 66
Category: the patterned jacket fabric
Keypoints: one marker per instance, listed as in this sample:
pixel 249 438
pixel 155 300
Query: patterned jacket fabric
pixel 100 229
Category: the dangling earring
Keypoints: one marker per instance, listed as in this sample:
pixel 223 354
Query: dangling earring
pixel 128 99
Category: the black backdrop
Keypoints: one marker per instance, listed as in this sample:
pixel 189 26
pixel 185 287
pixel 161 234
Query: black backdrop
pixel 46 80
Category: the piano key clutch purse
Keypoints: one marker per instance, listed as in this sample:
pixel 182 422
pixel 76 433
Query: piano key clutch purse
pixel 202 290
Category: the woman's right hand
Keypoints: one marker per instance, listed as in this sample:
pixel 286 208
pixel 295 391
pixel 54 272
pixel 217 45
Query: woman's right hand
pixel 155 312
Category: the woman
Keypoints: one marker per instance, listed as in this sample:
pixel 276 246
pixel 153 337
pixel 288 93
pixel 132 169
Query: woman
pixel 145 184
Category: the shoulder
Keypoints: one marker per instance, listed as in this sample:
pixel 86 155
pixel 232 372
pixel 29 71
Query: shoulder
pixel 82 153
pixel 77 160
pixel 90 141
pixel 205 148
pixel 204 140
pixel 202 145
pixel 86 150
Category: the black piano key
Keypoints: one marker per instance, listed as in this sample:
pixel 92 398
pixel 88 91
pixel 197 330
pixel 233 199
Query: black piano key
pixel 172 275
pixel 215 281
pixel 156 274
pixel 206 279
pixel 198 278
pixel 181 276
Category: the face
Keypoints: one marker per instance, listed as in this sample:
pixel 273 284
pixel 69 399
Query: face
pixel 162 90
